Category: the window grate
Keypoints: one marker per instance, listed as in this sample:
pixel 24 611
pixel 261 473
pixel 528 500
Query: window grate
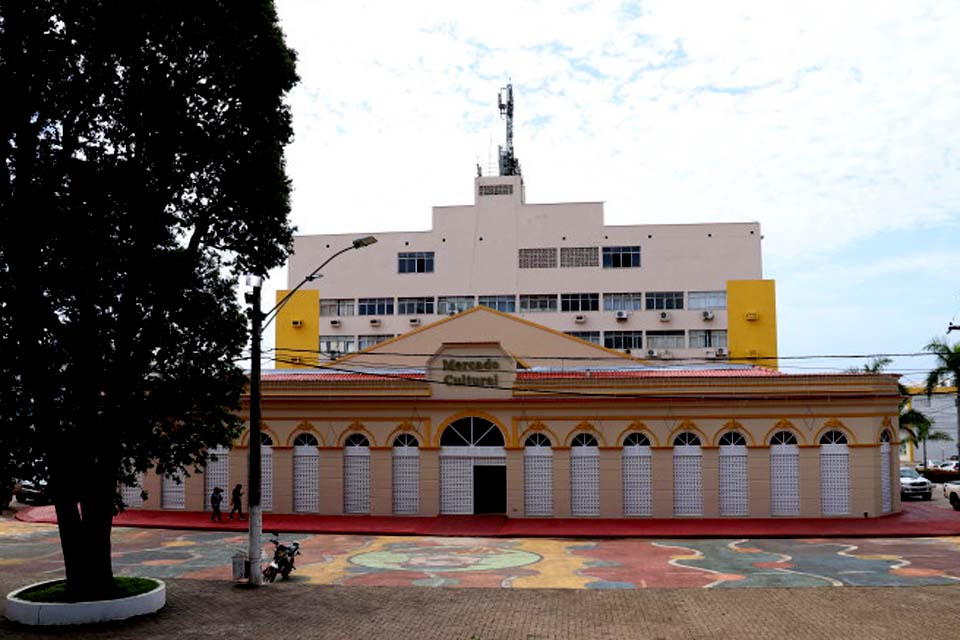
pixel 306 483
pixel 495 190
pixel 217 474
pixel 579 257
pixel 834 480
pixel 637 499
pixel 356 479
pixel 456 485
pixel 172 493
pixel 538 258
pixel 266 478
pixel 537 482
pixel 406 480
pixel 734 487
pixel 886 499
pixel 687 482
pixel 133 496
pixel 784 480
pixel 584 482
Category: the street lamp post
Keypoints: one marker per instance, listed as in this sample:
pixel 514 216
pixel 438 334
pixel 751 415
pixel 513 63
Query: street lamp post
pixel 258 322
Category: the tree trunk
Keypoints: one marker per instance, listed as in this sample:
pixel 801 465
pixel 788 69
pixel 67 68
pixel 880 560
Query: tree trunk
pixel 85 539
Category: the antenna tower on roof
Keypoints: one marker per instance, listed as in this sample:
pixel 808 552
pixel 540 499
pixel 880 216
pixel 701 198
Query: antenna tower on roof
pixel 509 165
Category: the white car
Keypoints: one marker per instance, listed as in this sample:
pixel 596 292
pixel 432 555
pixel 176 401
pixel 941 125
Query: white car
pixel 950 465
pixel 914 484
pixel 951 491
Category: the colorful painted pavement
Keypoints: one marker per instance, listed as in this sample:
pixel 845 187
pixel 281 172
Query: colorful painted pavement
pixel 519 563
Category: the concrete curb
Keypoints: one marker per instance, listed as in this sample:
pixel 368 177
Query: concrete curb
pixel 43 613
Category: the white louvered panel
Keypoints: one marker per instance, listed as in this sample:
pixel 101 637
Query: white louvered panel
pixel 687 481
pixel 406 480
pixel 885 495
pixel 636 482
pixel 834 480
pixel 356 480
pixel 217 474
pixel 132 496
pixel 584 481
pixel 538 481
pixel 456 485
pixel 784 480
pixel 734 487
pixel 172 494
pixel 266 478
pixel 306 479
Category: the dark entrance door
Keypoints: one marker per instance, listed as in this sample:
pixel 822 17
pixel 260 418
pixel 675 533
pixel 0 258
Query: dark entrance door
pixel 489 489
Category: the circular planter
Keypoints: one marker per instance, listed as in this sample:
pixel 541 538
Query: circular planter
pixel 53 613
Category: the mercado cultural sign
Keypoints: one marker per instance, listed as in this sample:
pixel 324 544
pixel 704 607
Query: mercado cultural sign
pixel 472 373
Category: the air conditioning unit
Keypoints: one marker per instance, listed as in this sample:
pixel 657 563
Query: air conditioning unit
pixel 721 352
pixel 653 353
pixel 707 315
pixel 414 322
pixel 580 319
pixel 622 315
pixel 334 323
pixel 296 359
pixel 664 316
pixel 296 323
pixel 752 316
pixel 374 322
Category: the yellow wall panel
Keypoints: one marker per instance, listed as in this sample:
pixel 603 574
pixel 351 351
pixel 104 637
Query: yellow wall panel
pixel 297 330
pixel 752 321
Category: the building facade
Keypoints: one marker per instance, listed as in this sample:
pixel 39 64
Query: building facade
pixel 486 412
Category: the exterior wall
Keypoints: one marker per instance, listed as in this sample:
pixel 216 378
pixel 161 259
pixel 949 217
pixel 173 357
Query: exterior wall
pixel 752 321
pixel 476 253
pixel 298 329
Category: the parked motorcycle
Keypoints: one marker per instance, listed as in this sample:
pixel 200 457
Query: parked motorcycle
pixel 282 562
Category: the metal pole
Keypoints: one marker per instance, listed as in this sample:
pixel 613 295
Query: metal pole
pixel 253 483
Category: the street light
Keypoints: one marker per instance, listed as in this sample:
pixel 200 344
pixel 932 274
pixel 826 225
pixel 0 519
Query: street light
pixel 257 324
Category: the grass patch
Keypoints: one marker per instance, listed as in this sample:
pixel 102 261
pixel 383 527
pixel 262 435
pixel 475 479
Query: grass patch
pixel 56 592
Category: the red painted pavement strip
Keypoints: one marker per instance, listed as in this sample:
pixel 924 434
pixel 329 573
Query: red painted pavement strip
pixel 915 520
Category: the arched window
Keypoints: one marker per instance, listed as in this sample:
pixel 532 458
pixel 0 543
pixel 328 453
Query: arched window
pixel 406 474
pixel 784 474
pixel 636 439
pixel 471 432
pixel 306 473
pixel 886 492
pixel 635 464
pixel 834 474
pixel 687 475
pixel 265 439
pixel 584 475
pixel 783 437
pixel 266 471
pixel 833 437
pixel 356 474
pixel 217 474
pixel 734 486
pixel 305 440
pixel 537 475
pixel 686 439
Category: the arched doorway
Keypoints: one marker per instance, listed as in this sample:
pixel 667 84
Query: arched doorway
pixel 637 499
pixel 834 474
pixel 306 473
pixel 356 474
pixel 784 474
pixel 687 475
pixel 537 475
pixel 473 472
pixel 734 485
pixel 172 492
pixel 216 474
pixel 886 496
pixel 266 472
pixel 406 474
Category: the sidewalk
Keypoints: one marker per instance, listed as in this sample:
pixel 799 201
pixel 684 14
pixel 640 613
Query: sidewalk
pixel 916 519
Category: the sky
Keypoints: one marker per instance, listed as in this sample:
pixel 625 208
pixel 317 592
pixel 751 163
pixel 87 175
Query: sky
pixel 835 125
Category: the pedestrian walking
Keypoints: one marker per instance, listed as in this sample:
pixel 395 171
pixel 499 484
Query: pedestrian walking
pixel 235 505
pixel 216 499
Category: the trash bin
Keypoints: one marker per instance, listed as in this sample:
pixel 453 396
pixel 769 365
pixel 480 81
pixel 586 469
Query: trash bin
pixel 241 566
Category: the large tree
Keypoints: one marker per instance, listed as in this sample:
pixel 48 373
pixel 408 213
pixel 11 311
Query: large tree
pixel 945 372
pixel 142 173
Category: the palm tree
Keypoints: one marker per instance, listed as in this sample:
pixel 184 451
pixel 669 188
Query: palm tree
pixel 947 371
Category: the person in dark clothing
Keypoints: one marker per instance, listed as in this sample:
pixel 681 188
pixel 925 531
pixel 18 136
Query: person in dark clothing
pixel 235 502
pixel 216 499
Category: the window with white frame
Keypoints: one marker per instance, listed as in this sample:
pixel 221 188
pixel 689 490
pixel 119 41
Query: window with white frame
pixel 375 306
pixel 447 305
pixel 621 257
pixel 337 344
pixel 538 303
pixel 538 258
pixel 589 336
pixel 507 304
pixel 623 339
pixel 579 302
pixel 664 300
pixel 337 307
pixel 579 257
pixel 623 301
pixel 414 306
pixel 365 342
pixel 415 262
pixel 707 338
pixel 665 339
pixel 707 300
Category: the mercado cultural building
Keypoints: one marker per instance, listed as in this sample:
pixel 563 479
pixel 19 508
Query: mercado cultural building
pixel 488 412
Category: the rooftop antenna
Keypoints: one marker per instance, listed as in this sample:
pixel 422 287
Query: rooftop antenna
pixel 509 165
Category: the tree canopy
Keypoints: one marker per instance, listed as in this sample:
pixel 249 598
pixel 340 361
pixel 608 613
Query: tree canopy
pixel 142 173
